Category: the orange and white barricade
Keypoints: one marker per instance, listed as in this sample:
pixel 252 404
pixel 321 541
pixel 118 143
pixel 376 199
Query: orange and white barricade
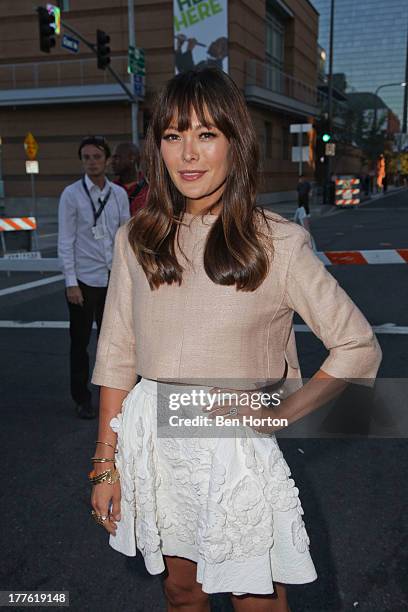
pixel 347 191
pixel 17 224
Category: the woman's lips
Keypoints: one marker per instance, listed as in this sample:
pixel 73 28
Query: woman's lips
pixel 191 176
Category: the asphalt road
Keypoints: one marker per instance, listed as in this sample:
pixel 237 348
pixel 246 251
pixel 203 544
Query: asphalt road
pixel 353 490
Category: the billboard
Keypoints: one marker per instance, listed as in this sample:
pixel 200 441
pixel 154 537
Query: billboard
pixel 200 34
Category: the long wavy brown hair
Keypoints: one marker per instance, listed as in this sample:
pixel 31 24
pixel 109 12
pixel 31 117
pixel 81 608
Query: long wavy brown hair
pixel 235 251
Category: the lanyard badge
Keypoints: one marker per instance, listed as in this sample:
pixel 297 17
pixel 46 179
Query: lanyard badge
pixel 98 231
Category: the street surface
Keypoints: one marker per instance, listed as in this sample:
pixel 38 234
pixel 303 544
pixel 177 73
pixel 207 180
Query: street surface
pixel 353 490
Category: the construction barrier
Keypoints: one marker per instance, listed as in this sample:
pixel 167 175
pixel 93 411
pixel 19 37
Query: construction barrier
pixel 347 191
pixel 380 256
pixel 17 233
pixel 15 224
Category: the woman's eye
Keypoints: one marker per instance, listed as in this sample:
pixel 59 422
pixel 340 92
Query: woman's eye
pixel 170 137
pixel 207 135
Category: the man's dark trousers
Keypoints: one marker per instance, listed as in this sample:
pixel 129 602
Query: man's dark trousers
pixel 81 319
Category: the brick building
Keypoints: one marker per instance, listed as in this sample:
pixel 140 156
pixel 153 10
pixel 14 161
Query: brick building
pixel 60 97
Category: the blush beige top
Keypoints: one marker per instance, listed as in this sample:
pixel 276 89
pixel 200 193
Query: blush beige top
pixel 201 330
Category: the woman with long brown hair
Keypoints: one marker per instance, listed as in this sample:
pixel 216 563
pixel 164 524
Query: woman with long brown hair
pixel 203 288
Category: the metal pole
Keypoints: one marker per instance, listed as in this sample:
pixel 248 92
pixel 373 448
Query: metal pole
pixel 329 107
pixel 132 43
pixel 375 109
pixel 405 109
pixel 300 145
pixel 34 212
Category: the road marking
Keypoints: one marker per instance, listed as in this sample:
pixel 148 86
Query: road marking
pixel 369 256
pixel 32 285
pixel 386 328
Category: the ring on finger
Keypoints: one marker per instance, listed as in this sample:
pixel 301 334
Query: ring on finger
pixel 233 411
pixel 98 518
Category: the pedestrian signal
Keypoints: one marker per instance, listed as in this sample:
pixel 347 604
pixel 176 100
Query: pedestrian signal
pixel 102 49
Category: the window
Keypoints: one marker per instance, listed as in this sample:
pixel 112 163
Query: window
pixel 274 52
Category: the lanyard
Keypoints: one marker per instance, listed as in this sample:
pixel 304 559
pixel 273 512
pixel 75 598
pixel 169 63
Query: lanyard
pixel 102 203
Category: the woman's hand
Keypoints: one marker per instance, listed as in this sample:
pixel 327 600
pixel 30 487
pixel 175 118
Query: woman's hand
pixel 253 409
pixel 106 496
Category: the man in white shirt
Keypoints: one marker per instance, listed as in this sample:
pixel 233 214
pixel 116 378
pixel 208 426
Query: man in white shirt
pixel 90 212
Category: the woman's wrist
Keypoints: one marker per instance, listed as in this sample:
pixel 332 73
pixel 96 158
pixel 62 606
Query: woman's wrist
pixel 102 467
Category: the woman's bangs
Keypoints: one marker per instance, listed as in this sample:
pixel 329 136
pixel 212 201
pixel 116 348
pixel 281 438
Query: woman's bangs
pixel 181 102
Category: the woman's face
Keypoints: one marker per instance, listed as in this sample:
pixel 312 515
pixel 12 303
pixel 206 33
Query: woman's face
pixel 197 161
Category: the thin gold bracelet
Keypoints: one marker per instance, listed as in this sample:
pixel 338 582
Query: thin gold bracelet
pixel 107 444
pixel 102 460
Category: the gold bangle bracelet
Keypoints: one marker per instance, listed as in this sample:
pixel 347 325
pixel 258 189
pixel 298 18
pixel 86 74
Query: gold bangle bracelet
pixel 111 476
pixel 102 460
pixel 107 444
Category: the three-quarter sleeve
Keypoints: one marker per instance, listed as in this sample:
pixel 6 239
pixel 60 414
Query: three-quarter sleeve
pixel 116 353
pixel 311 291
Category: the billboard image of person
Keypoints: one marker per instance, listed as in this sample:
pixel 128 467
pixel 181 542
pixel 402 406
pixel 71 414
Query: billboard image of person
pixel 200 34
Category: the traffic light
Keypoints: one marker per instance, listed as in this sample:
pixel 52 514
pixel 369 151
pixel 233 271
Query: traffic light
pixel 47 27
pixel 326 137
pixel 102 49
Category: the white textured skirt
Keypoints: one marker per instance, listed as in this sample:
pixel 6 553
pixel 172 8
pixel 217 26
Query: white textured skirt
pixel 226 503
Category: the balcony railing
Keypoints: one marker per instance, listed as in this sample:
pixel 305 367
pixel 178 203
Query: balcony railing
pixel 270 78
pixel 62 73
pixel 267 76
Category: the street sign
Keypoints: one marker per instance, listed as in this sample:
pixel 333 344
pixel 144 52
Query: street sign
pixel 31 146
pixel 72 44
pixel 139 85
pixel 136 61
pixel 330 149
pixel 32 166
pixel 300 154
pixel 295 128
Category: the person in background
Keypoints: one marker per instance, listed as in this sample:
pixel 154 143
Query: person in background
pixel 303 189
pixel 90 212
pixel 303 219
pixel 125 164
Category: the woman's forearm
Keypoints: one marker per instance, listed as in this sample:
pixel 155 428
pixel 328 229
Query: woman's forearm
pixel 110 404
pixel 319 390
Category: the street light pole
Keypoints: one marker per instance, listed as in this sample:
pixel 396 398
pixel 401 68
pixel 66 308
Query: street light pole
pixel 327 158
pixel 132 43
pixel 405 109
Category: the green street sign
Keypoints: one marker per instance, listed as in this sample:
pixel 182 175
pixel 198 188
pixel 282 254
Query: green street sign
pixel 136 61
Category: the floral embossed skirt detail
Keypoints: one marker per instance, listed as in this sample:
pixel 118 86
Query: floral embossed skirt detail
pixel 227 503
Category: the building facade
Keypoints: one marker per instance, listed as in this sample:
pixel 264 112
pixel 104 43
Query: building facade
pixel 62 96
pixel 370 46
